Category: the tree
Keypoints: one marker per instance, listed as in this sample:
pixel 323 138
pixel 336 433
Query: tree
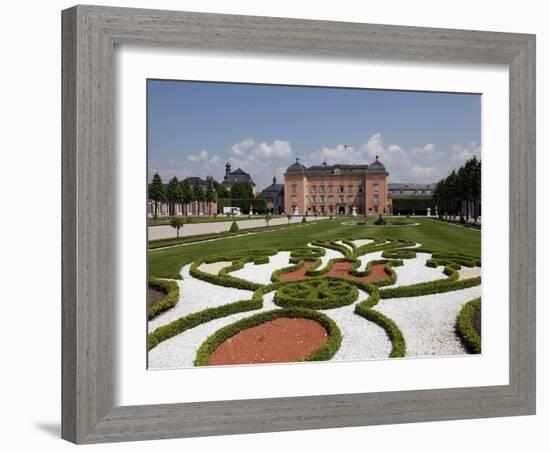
pixel 157 192
pixel 177 223
pixel 242 190
pixel 172 193
pixel 211 195
pixel 186 195
pixel 267 219
pixel 198 195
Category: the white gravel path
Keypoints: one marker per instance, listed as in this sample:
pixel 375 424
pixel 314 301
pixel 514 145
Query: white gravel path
pixel 360 242
pixel 196 295
pixel 214 268
pixel 368 257
pixel 181 350
pixel 427 322
pixel 329 254
pixel 362 339
pixel 469 272
pixel 342 243
pixel 415 271
pixel 261 273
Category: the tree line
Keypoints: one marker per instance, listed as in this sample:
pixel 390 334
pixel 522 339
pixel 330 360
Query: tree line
pixel 460 186
pixel 185 193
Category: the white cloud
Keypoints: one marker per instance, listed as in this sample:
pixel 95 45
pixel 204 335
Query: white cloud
pixel 240 147
pixel 463 152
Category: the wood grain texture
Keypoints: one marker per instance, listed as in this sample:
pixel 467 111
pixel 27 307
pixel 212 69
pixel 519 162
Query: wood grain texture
pixel 89 36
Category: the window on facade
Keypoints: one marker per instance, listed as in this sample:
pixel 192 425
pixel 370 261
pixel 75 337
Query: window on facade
pixel 313 199
pixel 330 199
pixel 376 209
pixel 376 187
pixel 294 189
pixel 341 188
pixel 341 199
pixel 330 189
pixel 350 198
pixel 293 200
pixel 322 188
pixel 313 189
pixel 322 199
pixel 350 188
pixel 375 199
pixel 360 188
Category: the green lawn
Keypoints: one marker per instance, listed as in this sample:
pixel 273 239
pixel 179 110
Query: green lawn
pixel 167 263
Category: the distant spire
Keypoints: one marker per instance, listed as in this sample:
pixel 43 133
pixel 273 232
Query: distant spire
pixel 274 180
pixel 297 159
pixel 376 157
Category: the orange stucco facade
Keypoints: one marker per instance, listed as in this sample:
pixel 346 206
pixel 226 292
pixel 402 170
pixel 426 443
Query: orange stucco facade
pixel 337 189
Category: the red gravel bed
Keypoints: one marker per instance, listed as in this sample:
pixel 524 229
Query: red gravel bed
pixel 154 295
pixel 338 269
pixel 299 274
pixel 280 340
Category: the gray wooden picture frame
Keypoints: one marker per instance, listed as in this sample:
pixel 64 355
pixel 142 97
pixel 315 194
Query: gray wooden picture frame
pixel 90 34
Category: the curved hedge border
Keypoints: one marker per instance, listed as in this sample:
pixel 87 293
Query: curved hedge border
pixel 323 353
pixel 465 328
pixel 171 297
pixel 430 287
pixel 364 309
pixel 324 293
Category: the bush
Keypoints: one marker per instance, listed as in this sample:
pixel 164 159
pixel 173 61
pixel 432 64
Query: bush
pixel 462 221
pixel 465 329
pixel 234 227
pixel 303 220
pixel 171 297
pixel 324 293
pixel 364 309
pixel 323 353
pixel 430 287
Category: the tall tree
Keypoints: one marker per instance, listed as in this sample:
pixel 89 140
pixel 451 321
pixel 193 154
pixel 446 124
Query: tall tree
pixel 241 190
pixel 186 195
pixel 211 195
pixel 172 194
pixel 157 192
pixel 198 195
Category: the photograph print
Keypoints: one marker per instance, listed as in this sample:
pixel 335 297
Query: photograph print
pixel 292 224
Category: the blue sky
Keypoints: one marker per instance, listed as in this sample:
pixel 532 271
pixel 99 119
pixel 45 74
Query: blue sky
pixel 194 128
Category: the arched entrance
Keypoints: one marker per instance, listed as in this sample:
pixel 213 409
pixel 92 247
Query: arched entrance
pixel 341 210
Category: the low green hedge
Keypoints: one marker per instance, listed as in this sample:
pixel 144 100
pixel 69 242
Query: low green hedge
pixel 430 287
pixel 464 326
pixel 171 297
pixel 323 353
pixel 323 293
pixel 364 309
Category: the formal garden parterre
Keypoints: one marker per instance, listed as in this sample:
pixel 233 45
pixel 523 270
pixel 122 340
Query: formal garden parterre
pixel 327 291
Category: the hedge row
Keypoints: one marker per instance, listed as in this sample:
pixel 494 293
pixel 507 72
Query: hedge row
pixel 324 293
pixel 323 353
pixel 334 246
pixel 238 261
pixel 364 309
pixel 192 320
pixel 464 326
pixel 430 287
pixel 171 297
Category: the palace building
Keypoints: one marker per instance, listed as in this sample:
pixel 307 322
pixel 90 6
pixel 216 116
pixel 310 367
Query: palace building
pixel 237 176
pixel 353 189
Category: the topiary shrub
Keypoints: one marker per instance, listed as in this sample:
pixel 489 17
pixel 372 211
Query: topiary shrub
pixel 304 219
pixel 172 293
pixel 465 328
pixel 380 220
pixel 234 227
pixel 323 293
pixel 323 353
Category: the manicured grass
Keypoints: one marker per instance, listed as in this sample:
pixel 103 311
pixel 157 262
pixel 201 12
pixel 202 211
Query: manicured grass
pixel 437 236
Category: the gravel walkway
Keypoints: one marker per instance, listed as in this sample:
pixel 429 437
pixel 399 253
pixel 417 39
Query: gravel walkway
pixel 181 350
pixel 362 339
pixel 214 268
pixel 329 254
pixel 469 272
pixel 261 273
pixel 368 257
pixel 415 271
pixel 196 295
pixel 342 243
pixel 427 322
pixel 360 242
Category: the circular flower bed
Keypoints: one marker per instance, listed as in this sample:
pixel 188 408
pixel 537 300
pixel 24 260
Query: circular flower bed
pixel 324 347
pixel 324 293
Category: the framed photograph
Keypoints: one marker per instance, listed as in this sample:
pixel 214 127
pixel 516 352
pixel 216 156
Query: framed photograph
pixel 268 222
